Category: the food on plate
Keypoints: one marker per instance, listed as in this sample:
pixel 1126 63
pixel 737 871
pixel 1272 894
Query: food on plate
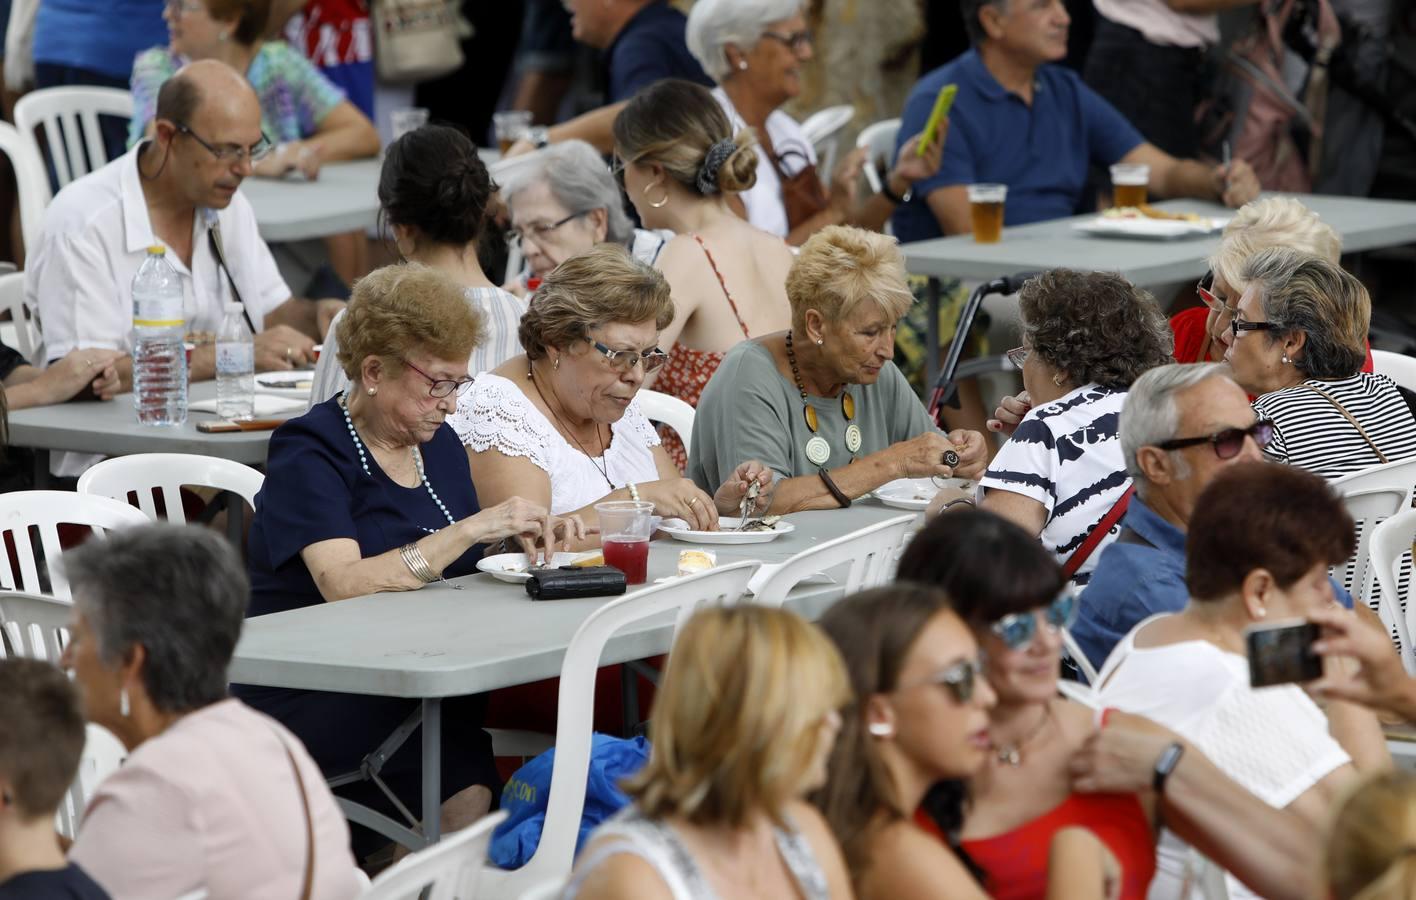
pixel 1146 211
pixel 691 562
pixel 594 559
pixel 766 523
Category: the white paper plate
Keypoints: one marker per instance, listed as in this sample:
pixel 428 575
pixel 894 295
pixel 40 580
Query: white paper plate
pixel 511 567
pixel 295 385
pixel 678 530
pixel 1149 229
pixel 915 493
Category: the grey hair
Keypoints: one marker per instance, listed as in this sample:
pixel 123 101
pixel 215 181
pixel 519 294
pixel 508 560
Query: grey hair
pixel 579 180
pixel 714 24
pixel 1306 293
pixel 1151 416
pixel 179 591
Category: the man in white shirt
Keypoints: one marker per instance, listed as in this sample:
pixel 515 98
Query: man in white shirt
pixel 178 189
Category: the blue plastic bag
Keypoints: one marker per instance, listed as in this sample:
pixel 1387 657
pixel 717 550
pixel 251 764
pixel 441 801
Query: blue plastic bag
pixel 525 795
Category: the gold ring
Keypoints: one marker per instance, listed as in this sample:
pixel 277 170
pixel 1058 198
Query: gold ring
pixel 289 352
pixel 692 501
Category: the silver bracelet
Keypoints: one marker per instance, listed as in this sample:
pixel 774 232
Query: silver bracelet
pixel 955 502
pixel 417 564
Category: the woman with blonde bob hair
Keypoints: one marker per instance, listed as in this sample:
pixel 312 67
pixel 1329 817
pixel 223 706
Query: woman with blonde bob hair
pixel 742 725
pixel 1371 853
pixel 810 401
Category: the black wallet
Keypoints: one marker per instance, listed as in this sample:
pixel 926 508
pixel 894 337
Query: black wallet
pixel 567 581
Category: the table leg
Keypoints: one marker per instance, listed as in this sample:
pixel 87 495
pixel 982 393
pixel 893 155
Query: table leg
pixel 432 769
pixel 931 343
pixel 41 468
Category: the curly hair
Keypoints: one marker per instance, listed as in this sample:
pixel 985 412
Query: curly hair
pixel 1095 326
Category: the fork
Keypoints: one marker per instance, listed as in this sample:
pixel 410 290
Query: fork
pixel 749 501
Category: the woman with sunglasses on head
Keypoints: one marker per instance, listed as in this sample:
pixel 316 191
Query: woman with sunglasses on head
pixel 1297 343
pixel 1010 592
pixel 560 424
pixel 920 716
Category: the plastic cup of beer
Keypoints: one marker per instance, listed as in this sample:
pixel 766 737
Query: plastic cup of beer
pixel 1128 184
pixel 407 119
pixel 511 126
pixel 624 530
pixel 986 210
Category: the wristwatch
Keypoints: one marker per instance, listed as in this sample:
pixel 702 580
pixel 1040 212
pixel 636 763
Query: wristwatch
pixel 1169 759
pixel 890 195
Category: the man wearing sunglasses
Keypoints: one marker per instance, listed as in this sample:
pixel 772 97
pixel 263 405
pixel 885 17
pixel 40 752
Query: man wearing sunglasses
pixel 179 190
pixel 1180 426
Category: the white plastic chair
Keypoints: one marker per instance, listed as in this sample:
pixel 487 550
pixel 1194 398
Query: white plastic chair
pixel 575 710
pixel 71 128
pixel 871 553
pixel 103 754
pixel 672 411
pixel 551 890
pixel 823 128
pixel 25 515
pixel 1396 366
pixel 147 475
pixel 879 142
pixel 31 182
pixel 12 298
pixel 450 868
pixel 1371 496
pixel 1389 556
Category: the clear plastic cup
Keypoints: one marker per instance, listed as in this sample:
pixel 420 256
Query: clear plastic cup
pixel 511 126
pixel 408 119
pixel 1128 184
pixel 624 536
pixel 986 211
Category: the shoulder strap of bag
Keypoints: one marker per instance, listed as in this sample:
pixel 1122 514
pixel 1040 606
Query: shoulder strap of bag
pixel 218 250
pixel 307 884
pixel 1347 415
pixel 1082 553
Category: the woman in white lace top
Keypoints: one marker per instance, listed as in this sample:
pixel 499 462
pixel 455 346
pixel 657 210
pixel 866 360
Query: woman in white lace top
pixel 560 423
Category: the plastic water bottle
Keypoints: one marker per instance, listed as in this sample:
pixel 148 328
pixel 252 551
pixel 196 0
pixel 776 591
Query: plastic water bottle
pixel 235 366
pixel 159 357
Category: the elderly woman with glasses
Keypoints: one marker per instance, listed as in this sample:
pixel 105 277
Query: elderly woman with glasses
pixel 754 50
pixel 562 200
pixel 370 492
pixel 1297 343
pixel 561 425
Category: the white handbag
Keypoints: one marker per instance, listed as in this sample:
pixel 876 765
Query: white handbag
pixel 416 40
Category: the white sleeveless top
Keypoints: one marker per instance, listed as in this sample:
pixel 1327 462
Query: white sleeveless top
pixel 495 415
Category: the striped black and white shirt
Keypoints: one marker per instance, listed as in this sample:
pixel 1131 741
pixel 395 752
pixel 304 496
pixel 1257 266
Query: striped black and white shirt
pixel 1067 456
pixel 1312 433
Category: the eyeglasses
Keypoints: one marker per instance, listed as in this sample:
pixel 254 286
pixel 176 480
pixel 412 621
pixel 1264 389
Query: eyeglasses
pixel 1239 325
pixel 1017 356
pixel 1214 301
pixel 442 387
pixel 797 40
pixel 625 360
pixel 617 169
pixel 1017 630
pixel 540 230
pixel 230 152
pixel 1230 441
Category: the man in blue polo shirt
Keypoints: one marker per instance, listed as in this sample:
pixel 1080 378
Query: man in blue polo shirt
pixel 1036 127
pixel 642 39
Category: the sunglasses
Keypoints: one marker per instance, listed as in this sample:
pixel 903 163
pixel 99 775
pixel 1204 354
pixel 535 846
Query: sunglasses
pixel 1017 630
pixel 1238 325
pixel 625 360
pixel 1230 441
pixel 959 679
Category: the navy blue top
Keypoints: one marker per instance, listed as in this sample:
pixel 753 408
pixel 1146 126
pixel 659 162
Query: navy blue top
pixel 1135 581
pixel 68 883
pixel 98 35
pixel 1043 152
pixel 315 490
pixel 651 47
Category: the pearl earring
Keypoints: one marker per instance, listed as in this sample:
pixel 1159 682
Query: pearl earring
pixel 742 65
pixel 372 391
pixel 820 341
pixel 880 729
pixel 124 709
pixel 1285 359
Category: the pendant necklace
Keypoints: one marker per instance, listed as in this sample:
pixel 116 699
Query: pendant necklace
pixel 603 470
pixel 1012 754
pixel 818 450
pixel 417 465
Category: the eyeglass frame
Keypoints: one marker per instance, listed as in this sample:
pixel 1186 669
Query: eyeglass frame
pixel 540 230
pixel 1212 300
pixel 794 41
pixel 641 358
pixel 960 679
pixel 1017 356
pixel 1003 624
pixel 1236 326
pixel 230 153
pixel 1219 436
pixel 459 385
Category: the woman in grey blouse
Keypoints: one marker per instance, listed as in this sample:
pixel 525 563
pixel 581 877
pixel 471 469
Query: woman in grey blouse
pixel 823 404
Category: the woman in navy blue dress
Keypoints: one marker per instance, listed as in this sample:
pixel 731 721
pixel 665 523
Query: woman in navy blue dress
pixel 370 491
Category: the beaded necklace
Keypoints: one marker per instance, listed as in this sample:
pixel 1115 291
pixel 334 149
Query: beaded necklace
pixel 417 464
pixel 818 451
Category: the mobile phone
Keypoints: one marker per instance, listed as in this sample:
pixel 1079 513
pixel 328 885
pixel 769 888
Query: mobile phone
pixel 942 103
pixel 1282 653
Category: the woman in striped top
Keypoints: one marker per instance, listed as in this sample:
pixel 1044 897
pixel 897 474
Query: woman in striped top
pixel 1298 342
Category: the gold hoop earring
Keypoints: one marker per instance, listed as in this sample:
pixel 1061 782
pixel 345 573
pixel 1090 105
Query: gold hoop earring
pixel 662 203
pixel 1057 379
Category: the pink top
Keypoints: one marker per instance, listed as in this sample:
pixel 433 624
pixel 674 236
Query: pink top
pixel 212 803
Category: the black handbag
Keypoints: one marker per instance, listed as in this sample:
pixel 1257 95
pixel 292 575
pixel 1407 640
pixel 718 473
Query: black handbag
pixel 568 581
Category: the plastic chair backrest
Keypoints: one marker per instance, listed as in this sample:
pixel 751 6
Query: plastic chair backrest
pixel 575 710
pixel 1370 496
pixel 450 868
pixel 12 298
pixel 147 475
pixel 822 129
pixel 1389 558
pixel 879 142
pixel 27 515
pixel 71 129
pixel 871 553
pixel 31 182
pixel 1396 366
pixel 103 754
pixel 672 411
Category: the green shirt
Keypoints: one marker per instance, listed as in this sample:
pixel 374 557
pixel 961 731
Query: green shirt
pixel 750 411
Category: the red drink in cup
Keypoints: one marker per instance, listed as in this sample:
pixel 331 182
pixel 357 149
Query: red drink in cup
pixel 625 525
pixel 630 557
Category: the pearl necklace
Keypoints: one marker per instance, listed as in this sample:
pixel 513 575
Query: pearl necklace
pixel 417 464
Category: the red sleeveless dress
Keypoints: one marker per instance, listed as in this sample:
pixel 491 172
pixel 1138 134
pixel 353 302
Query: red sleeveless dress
pixel 687 372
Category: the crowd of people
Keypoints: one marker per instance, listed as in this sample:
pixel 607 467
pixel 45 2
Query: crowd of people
pixel 1051 696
